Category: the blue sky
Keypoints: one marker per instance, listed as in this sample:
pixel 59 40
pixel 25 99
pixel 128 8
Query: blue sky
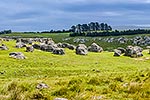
pixel 38 15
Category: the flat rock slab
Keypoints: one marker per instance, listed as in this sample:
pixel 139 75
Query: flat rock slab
pixel 17 55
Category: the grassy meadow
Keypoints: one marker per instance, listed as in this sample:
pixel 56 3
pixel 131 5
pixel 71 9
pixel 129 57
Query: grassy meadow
pixel 97 76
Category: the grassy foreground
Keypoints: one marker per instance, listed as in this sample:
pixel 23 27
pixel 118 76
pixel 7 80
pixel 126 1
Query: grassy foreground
pixel 92 77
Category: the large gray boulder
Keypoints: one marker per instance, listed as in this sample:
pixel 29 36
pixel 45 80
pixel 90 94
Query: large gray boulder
pixel 59 51
pixel 3 47
pixel 134 51
pixel 20 45
pixel 17 55
pixel 29 49
pixel 81 49
pixel 48 48
pixel 95 48
pixel 66 45
pixel 24 40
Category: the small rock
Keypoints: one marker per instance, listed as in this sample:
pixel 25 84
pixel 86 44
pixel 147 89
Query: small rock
pixel 60 99
pixel 41 86
pixel 3 47
pixel 29 49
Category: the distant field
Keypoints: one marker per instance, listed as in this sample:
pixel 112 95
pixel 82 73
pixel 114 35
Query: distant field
pixel 97 75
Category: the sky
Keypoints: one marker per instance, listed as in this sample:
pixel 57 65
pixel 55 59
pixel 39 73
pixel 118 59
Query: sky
pixel 39 15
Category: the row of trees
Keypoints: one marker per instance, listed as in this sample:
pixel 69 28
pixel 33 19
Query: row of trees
pixel 56 31
pixel 112 33
pixel 92 26
pixel 6 32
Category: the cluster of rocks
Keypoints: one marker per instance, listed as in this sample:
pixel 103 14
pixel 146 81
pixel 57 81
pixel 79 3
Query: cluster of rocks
pixel 82 49
pixel 48 45
pixel 131 51
pixel 50 48
pixel 142 41
pixel 137 40
pixel 6 39
pixel 25 40
pixel 80 40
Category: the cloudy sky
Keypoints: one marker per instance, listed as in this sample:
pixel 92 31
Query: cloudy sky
pixel 38 15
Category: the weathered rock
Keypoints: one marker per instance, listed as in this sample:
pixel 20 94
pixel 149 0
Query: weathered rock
pixel 29 49
pixel 81 49
pixel 122 40
pixel 60 99
pixel 117 52
pixel 48 48
pixel 148 47
pixel 59 45
pixel 83 45
pixel 95 48
pixel 20 45
pixel 49 41
pixel 71 47
pixel 24 40
pixel 59 51
pixel 121 49
pixel 41 86
pixel 18 40
pixel 3 47
pixel 17 55
pixel 36 46
pixel 66 45
pixel 134 52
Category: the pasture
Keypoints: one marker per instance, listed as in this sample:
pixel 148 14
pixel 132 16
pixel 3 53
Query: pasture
pixel 96 76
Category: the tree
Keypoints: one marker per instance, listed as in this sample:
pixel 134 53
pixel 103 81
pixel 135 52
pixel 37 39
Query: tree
pixel 102 26
pixel 73 28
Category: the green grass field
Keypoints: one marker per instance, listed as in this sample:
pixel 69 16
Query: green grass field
pixel 75 77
